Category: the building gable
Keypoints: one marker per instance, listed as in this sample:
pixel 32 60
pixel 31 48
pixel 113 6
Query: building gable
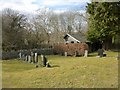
pixel 74 38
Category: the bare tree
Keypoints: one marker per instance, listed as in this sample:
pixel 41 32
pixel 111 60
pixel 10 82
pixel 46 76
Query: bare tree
pixel 49 27
pixel 13 24
pixel 74 21
pixel 43 23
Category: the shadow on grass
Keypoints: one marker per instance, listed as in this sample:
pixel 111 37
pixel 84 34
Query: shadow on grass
pixel 92 55
pixel 52 66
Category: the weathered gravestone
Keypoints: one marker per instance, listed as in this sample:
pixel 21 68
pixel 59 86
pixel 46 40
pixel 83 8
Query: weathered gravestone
pixel 32 57
pixel 29 59
pixel 47 64
pixel 26 58
pixel 86 53
pixel 36 58
pixel 23 57
pixel 44 60
pixel 65 53
pixel 20 55
pixel 100 52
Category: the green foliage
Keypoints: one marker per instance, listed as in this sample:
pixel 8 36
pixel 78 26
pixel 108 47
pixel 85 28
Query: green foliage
pixel 104 20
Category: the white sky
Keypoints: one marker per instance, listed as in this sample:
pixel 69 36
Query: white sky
pixel 33 5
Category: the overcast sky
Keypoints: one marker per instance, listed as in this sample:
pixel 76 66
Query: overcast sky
pixel 32 5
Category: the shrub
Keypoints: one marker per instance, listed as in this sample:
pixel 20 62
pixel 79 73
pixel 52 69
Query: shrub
pixel 71 48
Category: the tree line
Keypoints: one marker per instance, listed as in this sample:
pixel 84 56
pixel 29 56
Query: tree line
pixel 47 28
pixel 42 30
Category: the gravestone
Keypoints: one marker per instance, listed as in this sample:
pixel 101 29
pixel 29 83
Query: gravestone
pixel 44 60
pixel 36 58
pixel 26 58
pixel 47 64
pixel 32 57
pixel 20 55
pixel 66 54
pixel 86 53
pixel 29 59
pixel 23 57
pixel 100 52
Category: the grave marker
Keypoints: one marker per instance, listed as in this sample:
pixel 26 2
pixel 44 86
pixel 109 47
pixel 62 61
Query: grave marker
pixel 66 54
pixel 26 58
pixel 44 60
pixel 36 58
pixel 32 57
pixel 20 55
pixel 86 53
pixel 29 59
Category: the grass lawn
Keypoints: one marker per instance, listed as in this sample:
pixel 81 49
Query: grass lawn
pixel 66 72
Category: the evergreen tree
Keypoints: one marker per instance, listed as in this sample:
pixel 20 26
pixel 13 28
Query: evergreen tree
pixel 103 21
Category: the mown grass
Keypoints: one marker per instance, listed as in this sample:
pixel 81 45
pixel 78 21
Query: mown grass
pixel 66 72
